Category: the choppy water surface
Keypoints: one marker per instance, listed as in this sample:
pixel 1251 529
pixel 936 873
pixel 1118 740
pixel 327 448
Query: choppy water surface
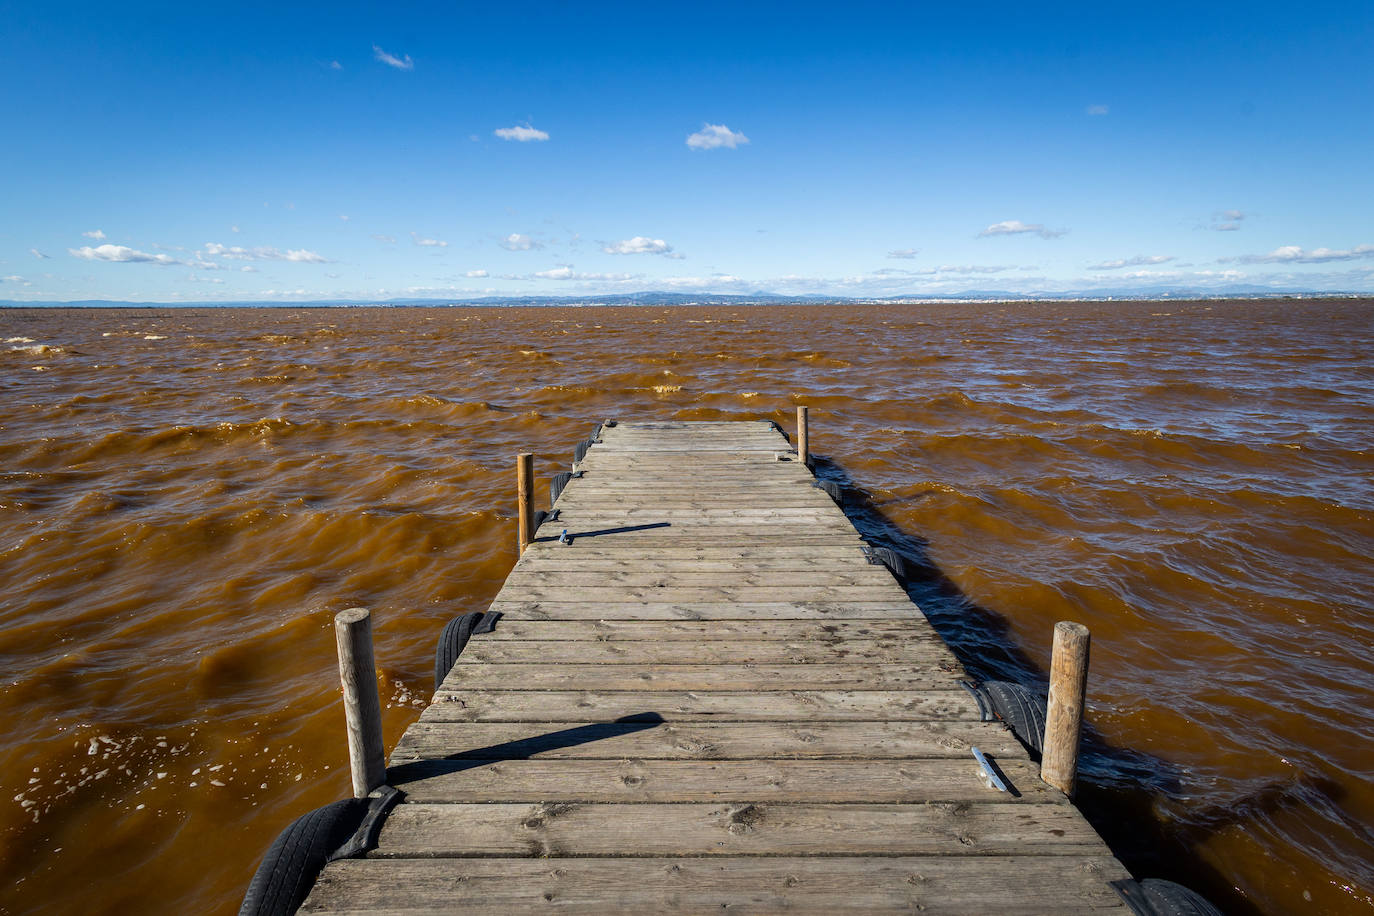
pixel 187 496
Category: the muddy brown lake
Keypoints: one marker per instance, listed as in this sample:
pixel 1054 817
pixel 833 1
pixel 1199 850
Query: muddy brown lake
pixel 188 495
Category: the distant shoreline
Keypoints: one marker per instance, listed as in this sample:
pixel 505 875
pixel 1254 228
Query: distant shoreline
pixel 675 299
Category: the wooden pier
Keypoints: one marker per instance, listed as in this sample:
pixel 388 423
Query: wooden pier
pixel 706 697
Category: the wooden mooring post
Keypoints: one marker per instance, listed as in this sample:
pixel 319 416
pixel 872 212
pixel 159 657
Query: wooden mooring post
pixel 524 482
pixel 803 437
pixel 1064 713
pixel 362 709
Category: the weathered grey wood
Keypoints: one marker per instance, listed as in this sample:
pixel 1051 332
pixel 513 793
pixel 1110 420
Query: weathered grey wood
pixel 704 740
pixel 1064 714
pixel 591 609
pixel 809 651
pixel 911 629
pixel 803 436
pixel 728 594
pixel 837 781
pixel 611 549
pixel 362 710
pixel 696 829
pixel 861 576
pixel 477 705
pixel 554 562
pixel 602 677
pixel 711 699
pixel 973 885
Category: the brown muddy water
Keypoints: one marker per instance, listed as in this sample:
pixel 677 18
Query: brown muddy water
pixel 186 496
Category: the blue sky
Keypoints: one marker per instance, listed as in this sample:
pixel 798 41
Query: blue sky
pixel 250 151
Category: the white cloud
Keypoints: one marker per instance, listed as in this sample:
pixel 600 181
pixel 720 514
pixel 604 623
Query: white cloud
pixel 1137 261
pixel 521 133
pixel 345 217
pixel 476 274
pixel 38 254
pixel 15 278
pixel 640 245
pixel 391 60
pixel 1293 254
pixel 1096 110
pixel 973 268
pixel 94 234
pixel 904 253
pixel 262 253
pixel 335 65
pixel 248 269
pixel 389 239
pixel 121 254
pixel 1016 227
pixel 517 242
pixel 567 273
pixel 716 136
pixel 233 228
pixel 1226 221
pixel 427 243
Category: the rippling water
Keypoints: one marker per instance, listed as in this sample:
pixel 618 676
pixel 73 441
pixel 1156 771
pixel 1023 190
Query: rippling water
pixel 187 496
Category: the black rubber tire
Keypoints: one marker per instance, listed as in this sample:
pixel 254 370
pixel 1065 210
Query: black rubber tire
pixel 1166 898
pixel 580 450
pixel 1021 709
pixel 556 485
pixel 295 859
pixel 452 641
pixel 889 558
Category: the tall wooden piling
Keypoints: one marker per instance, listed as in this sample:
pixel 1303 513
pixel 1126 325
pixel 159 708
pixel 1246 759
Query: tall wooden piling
pixel 524 481
pixel 803 437
pixel 1064 715
pixel 362 710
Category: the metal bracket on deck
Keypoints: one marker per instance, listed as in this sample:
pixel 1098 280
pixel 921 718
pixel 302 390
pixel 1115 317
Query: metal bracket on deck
pixel 990 777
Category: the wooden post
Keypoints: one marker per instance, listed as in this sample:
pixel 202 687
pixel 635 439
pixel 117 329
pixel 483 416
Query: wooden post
pixel 803 438
pixel 1064 715
pixel 362 710
pixel 524 481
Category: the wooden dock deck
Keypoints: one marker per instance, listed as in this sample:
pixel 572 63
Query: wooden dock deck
pixel 711 700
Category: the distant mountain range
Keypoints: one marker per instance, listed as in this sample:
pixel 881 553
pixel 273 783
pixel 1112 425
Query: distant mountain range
pixel 652 298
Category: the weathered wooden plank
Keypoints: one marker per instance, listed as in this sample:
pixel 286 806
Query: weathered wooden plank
pixel 973 885
pixel 644 535
pixel 556 675
pixel 742 594
pixel 600 609
pixel 434 736
pixel 687 502
pixel 484 705
pixel 741 781
pixel 558 561
pixel 809 651
pixel 910 629
pixel 610 548
pixel 693 829
pixel 684 577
